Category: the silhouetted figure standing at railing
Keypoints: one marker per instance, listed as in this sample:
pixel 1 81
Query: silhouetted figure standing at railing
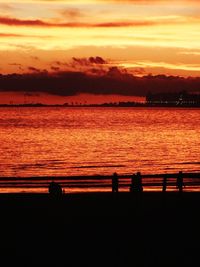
pixel 133 187
pixel 179 181
pixel 164 183
pixel 115 183
pixel 136 183
pixel 55 190
pixel 139 182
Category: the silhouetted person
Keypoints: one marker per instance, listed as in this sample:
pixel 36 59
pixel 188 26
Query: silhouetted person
pixel 179 181
pixel 138 182
pixel 55 190
pixel 133 185
pixel 164 183
pixel 115 183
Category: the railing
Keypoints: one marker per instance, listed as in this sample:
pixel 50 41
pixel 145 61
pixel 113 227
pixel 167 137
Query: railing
pixel 99 182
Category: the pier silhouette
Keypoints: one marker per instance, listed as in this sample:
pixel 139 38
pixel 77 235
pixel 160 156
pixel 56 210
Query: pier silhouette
pixel 135 182
pixel 135 228
pixel 179 181
pixel 55 190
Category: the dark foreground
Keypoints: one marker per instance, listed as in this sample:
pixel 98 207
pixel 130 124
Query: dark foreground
pixel 100 230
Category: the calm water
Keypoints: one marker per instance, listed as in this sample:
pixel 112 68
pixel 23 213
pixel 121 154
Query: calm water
pixel 85 141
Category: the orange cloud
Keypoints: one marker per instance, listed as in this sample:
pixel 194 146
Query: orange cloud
pixel 11 35
pixel 6 6
pixel 71 13
pixel 142 2
pixel 40 23
pixel 89 61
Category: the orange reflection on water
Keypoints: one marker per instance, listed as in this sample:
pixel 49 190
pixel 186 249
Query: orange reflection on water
pixel 92 141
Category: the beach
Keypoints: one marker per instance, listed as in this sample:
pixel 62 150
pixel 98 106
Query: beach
pixel 90 229
pixel 99 133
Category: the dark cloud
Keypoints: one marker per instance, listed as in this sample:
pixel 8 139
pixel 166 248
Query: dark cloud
pixel 89 61
pixel 59 63
pixel 19 22
pixel 97 71
pixel 114 81
pixel 97 60
pixel 40 23
pixel 126 24
pixel 15 64
pixel 139 71
pixel 31 94
pixel 55 68
pixel 34 69
pixel 115 72
pixel 20 67
pixel 81 61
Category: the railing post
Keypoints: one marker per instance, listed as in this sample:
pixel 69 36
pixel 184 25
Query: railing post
pixel 179 181
pixel 164 188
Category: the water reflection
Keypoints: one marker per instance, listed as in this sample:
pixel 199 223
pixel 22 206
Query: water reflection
pixel 87 141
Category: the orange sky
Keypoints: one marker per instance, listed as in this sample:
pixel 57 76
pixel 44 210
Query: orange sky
pixel 154 36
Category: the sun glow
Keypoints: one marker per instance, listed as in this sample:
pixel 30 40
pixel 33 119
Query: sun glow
pixel 136 37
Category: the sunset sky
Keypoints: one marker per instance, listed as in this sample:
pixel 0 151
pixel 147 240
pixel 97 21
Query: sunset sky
pixel 113 40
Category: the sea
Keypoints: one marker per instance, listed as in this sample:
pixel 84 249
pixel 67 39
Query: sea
pixel 76 141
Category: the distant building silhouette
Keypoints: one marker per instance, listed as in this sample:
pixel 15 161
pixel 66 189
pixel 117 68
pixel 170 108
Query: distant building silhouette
pixel 182 99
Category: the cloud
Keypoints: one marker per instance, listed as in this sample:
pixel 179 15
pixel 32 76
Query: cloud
pixel 13 35
pixel 35 57
pixel 139 71
pixel 71 13
pixel 31 94
pixel 114 81
pixel 91 65
pixel 149 2
pixel 89 61
pixel 2 35
pixel 97 60
pixel 55 68
pixel 15 64
pixel 40 23
pixel 58 63
pixel 61 64
pixel 19 22
pixel 34 69
pixel 138 2
pixel 6 7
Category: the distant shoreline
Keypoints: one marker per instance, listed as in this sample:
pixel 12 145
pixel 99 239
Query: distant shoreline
pixel 124 105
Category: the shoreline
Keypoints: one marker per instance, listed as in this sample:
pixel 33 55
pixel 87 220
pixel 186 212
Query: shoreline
pixel 149 229
pixel 98 106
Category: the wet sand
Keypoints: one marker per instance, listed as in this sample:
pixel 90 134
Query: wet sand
pixel 93 229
